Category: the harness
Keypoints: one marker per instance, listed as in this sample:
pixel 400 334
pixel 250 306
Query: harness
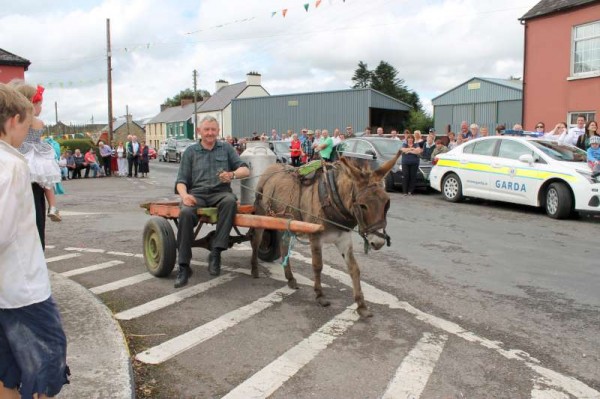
pixel 335 210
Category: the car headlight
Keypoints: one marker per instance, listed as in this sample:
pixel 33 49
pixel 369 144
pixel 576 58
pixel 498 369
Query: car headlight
pixel 588 176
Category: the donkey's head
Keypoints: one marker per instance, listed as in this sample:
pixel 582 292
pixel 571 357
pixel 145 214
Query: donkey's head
pixel 370 201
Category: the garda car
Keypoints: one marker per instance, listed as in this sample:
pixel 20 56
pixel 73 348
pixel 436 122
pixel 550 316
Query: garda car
pixel 520 170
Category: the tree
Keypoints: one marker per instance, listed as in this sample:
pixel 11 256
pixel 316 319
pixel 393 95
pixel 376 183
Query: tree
pixel 362 76
pixel 187 94
pixel 419 120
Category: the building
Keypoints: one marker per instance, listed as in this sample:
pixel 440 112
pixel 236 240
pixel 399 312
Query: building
pixel 12 66
pixel 172 122
pixel 562 62
pixel 122 127
pixel 219 105
pixel 318 110
pixel 484 101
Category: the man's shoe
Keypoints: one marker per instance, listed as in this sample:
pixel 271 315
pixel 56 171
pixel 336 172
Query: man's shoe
pixel 183 276
pixel 214 262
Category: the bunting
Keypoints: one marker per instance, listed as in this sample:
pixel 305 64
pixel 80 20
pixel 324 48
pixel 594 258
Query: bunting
pixel 273 14
pixel 284 11
pixel 306 7
pixel 317 3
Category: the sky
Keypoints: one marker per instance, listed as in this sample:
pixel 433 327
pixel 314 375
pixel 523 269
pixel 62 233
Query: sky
pixel 156 45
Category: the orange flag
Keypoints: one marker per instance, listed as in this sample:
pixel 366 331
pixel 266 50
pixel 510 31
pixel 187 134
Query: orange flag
pixel 284 11
pixel 317 3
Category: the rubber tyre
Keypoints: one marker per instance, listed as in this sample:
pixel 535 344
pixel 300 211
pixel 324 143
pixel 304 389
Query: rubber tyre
pixel 178 158
pixel 160 247
pixel 389 183
pixel 269 249
pixel 559 202
pixel 452 188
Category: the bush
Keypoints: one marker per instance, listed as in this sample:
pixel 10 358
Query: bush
pixel 72 144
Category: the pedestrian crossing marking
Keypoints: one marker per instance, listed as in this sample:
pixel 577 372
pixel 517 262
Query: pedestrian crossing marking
pixel 93 268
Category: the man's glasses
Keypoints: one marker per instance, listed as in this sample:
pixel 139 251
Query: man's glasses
pixel 539 127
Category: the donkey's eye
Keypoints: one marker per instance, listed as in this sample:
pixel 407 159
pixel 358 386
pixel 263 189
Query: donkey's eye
pixel 363 207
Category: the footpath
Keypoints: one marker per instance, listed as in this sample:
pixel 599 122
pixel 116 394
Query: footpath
pixel 97 353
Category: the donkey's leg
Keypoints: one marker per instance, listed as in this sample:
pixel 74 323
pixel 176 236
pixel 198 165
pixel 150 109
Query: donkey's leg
pixel 344 245
pixel 284 247
pixel 255 242
pixel 316 250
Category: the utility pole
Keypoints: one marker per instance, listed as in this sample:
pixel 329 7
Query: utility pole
pixel 56 112
pixel 195 106
pixel 127 118
pixel 109 81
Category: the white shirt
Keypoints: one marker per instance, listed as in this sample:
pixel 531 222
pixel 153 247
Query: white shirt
pixel 23 271
pixel 571 136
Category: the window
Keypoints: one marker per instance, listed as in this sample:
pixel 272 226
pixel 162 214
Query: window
pixel 512 150
pixel 362 147
pixel 572 118
pixel 484 147
pixel 586 49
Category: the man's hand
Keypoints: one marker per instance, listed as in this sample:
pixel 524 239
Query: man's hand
pixel 226 177
pixel 188 200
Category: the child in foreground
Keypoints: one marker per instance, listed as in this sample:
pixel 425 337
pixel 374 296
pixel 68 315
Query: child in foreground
pixel 32 340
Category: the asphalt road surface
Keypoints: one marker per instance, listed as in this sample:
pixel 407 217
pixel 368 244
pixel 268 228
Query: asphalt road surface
pixel 472 300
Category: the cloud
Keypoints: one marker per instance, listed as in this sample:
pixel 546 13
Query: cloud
pixel 434 44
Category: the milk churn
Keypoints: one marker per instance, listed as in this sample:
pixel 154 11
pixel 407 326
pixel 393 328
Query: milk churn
pixel 259 157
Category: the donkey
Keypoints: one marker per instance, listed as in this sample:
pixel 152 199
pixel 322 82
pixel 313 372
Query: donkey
pixel 339 197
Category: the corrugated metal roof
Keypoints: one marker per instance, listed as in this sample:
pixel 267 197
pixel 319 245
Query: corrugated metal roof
pixel 546 7
pixel 222 98
pixel 7 58
pixel 515 90
pixel 176 114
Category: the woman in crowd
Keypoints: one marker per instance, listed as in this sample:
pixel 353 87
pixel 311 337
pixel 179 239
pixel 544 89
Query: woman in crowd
pixel 451 140
pixel 591 130
pixel 418 139
pixel 121 159
pixel 559 130
pixel 144 159
pixel 540 129
pixel 499 129
pixel 295 150
pixel 410 164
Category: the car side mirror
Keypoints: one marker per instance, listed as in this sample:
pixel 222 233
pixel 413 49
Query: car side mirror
pixel 371 153
pixel 527 158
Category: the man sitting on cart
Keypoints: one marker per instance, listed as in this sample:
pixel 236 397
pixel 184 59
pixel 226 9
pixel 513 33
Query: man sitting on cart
pixel 204 180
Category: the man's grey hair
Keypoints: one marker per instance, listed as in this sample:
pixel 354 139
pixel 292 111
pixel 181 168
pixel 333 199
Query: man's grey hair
pixel 209 118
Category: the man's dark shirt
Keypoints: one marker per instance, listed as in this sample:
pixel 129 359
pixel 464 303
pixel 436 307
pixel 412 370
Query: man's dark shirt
pixel 199 169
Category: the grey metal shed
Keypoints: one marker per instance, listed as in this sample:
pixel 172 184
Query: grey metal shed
pixel 484 101
pixel 318 110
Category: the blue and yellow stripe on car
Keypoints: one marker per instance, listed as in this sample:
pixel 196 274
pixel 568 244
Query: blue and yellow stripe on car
pixel 505 170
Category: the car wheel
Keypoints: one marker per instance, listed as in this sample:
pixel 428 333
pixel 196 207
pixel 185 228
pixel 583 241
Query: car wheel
pixel 177 158
pixel 559 202
pixel 389 183
pixel 452 188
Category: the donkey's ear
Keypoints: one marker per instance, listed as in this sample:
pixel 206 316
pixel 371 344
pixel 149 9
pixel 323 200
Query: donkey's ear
pixel 380 173
pixel 352 170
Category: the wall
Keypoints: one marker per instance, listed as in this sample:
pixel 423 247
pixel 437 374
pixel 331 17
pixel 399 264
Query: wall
pixel 9 72
pixel 548 95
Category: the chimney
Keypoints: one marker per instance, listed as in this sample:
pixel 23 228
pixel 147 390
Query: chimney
pixel 128 118
pixel 163 107
pixel 219 84
pixel 186 101
pixel 253 78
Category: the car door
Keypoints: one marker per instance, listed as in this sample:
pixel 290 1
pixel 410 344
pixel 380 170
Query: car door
pixel 474 165
pixel 171 149
pixel 515 180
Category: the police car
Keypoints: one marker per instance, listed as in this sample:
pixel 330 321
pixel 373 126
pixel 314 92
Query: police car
pixel 522 170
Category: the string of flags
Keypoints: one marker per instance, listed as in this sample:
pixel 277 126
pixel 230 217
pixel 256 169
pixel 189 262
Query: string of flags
pixel 62 84
pixel 306 6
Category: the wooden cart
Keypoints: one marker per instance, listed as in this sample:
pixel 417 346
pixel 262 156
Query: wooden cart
pixel 160 242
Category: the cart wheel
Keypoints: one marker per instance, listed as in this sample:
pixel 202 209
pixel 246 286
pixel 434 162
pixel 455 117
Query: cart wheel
pixel 269 249
pixel 159 247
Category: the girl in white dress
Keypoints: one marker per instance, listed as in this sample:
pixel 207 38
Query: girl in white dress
pixel 121 160
pixel 40 155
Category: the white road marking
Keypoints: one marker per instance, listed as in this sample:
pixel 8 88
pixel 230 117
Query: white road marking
pixel 91 250
pixel 61 257
pixel 126 282
pixel 542 391
pixel 274 375
pixel 92 268
pixel 50 246
pixel 120 253
pixel 375 295
pixel 412 375
pixel 177 345
pixel 173 298
pixel 73 213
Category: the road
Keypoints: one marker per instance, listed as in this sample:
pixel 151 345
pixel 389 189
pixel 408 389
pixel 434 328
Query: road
pixel 472 300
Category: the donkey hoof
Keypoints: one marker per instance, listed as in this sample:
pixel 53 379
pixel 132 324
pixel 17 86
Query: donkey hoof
pixel 364 313
pixel 293 284
pixel 254 273
pixel 323 301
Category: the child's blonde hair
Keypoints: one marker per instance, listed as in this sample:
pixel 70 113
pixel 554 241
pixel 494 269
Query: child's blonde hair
pixel 24 88
pixel 12 103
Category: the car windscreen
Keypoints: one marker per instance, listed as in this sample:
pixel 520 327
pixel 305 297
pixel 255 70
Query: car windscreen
pixel 387 147
pixel 560 152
